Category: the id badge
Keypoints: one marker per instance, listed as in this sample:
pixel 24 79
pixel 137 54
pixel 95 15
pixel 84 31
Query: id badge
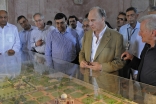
pixel 127 45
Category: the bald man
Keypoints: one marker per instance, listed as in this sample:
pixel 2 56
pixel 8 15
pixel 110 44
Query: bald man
pixel 9 38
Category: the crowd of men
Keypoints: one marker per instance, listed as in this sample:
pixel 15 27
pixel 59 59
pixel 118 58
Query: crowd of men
pixel 92 44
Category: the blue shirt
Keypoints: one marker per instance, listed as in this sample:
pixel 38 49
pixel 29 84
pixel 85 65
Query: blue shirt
pixel 136 44
pixel 25 36
pixel 63 46
pixel 38 34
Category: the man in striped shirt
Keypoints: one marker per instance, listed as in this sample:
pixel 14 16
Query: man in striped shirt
pixel 62 43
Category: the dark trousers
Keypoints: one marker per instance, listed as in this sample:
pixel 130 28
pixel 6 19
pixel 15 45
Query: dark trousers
pixel 126 71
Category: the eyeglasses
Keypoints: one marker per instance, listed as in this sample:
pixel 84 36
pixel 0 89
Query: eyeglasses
pixel 120 18
pixel 85 26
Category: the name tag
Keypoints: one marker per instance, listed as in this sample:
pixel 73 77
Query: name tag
pixel 127 45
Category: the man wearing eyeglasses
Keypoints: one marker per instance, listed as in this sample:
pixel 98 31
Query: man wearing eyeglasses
pixel 63 43
pixel 131 40
pixel 121 20
pixel 39 35
pixel 85 24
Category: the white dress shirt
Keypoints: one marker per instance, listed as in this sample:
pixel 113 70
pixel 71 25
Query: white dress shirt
pixel 9 38
pixel 10 66
pixel 96 43
pixel 36 35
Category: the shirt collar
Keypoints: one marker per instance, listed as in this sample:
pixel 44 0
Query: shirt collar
pixel 66 31
pixel 153 47
pixel 45 28
pixel 149 46
pixel 136 27
pixel 7 25
pixel 31 28
pixel 102 32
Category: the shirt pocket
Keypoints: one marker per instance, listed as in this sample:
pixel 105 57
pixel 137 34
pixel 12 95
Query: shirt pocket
pixel 9 38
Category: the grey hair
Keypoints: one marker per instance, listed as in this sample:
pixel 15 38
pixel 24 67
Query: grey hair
pixel 101 11
pixel 85 19
pixel 41 15
pixel 150 21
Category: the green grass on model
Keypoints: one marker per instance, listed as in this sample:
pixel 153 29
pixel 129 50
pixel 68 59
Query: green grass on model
pixel 110 101
pixel 87 91
pixel 43 99
pixel 37 94
pixel 8 102
pixel 76 95
pixel 68 91
pixel 27 97
pixel 88 100
pixel 120 103
pixel 65 79
pixel 57 94
pixel 99 103
pixel 51 90
pixel 31 102
pixel 40 81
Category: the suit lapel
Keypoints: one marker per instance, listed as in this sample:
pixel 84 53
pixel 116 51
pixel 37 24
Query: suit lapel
pixel 89 45
pixel 105 39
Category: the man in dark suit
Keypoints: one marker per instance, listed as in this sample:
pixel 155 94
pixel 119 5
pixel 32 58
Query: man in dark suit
pixel 146 65
pixel 102 46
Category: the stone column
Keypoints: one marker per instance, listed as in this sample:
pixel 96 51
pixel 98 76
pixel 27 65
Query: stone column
pixel 3 4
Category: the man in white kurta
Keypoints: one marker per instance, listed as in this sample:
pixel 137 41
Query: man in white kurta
pixel 9 38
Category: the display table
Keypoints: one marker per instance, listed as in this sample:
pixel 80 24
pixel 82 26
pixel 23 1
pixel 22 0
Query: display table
pixel 32 78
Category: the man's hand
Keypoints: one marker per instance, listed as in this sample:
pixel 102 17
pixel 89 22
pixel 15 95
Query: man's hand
pixel 39 42
pixel 84 71
pixel 83 64
pixel 126 56
pixel 11 52
pixel 95 66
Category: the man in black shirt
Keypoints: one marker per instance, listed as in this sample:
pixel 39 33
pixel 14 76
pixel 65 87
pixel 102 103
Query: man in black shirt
pixel 146 65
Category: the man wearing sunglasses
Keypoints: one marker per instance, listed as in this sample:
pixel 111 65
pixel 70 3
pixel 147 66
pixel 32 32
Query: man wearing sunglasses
pixel 121 20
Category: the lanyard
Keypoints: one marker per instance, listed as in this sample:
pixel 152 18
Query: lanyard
pixel 129 35
pixel 129 38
